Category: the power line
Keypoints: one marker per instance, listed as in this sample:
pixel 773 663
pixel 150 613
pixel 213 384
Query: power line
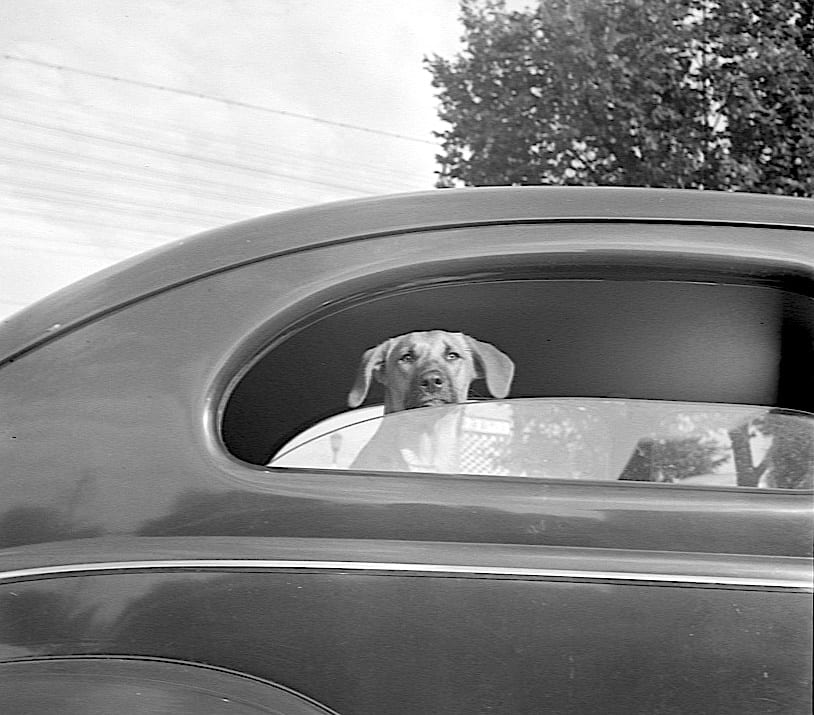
pixel 349 172
pixel 151 180
pixel 100 202
pixel 184 155
pixel 130 126
pixel 222 100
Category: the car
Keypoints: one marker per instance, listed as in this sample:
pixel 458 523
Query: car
pixel 186 527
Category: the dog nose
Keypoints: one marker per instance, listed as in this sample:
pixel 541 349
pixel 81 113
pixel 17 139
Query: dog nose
pixel 432 381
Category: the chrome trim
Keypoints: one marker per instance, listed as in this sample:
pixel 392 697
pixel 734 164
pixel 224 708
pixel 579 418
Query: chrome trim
pixel 800 583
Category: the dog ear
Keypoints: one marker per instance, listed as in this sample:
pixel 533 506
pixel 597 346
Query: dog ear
pixel 371 364
pixel 494 365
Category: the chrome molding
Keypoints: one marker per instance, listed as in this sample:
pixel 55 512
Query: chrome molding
pixel 448 570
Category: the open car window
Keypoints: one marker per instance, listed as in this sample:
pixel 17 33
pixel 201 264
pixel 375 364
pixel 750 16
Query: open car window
pixel 574 438
pixel 645 335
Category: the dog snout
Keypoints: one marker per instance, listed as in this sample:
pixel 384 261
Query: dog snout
pixel 432 381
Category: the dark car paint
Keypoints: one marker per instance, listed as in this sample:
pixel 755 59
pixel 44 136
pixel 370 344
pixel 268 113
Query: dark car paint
pixel 380 642
pixel 129 684
pixel 131 531
pixel 450 640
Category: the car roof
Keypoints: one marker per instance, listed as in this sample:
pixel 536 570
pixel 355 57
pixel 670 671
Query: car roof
pixel 256 239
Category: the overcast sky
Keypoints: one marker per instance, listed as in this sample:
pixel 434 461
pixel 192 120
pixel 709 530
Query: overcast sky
pixel 129 123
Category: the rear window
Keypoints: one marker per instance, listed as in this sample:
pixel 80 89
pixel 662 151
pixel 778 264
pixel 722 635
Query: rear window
pixel 638 337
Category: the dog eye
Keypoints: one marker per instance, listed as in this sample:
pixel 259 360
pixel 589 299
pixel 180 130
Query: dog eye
pixel 407 357
pixel 451 355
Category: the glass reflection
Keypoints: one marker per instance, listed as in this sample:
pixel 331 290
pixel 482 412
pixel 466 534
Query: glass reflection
pixel 575 438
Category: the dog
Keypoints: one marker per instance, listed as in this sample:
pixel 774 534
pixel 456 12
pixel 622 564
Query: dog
pixel 420 370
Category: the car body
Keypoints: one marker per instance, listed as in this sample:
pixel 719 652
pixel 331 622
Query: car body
pixel 152 561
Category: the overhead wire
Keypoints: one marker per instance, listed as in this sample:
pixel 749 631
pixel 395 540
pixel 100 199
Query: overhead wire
pixel 213 98
pixel 81 199
pixel 150 179
pixel 87 187
pixel 182 155
pixel 130 125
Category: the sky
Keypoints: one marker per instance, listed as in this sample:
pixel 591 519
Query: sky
pixel 126 124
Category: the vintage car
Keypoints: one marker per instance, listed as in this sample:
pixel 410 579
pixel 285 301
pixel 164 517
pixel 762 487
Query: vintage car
pixel 623 525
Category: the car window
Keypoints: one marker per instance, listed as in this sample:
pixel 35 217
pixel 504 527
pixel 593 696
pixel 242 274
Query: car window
pixel 590 439
pixel 640 337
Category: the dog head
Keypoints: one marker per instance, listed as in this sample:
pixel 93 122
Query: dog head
pixel 434 367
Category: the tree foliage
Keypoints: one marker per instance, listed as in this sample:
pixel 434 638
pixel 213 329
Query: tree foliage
pixel 671 460
pixel 715 94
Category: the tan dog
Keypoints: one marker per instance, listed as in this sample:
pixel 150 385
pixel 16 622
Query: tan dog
pixel 425 369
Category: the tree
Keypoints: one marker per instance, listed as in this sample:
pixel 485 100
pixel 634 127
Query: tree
pixel 620 439
pixel 674 93
pixel 671 460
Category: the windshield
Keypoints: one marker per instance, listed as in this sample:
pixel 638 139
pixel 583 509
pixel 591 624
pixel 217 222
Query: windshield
pixel 578 438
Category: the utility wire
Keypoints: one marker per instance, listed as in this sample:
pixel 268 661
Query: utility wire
pixel 89 155
pixel 132 125
pixel 66 197
pixel 222 100
pixel 151 180
pixel 184 155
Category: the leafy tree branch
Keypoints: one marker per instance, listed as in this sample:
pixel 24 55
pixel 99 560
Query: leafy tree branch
pixel 715 94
